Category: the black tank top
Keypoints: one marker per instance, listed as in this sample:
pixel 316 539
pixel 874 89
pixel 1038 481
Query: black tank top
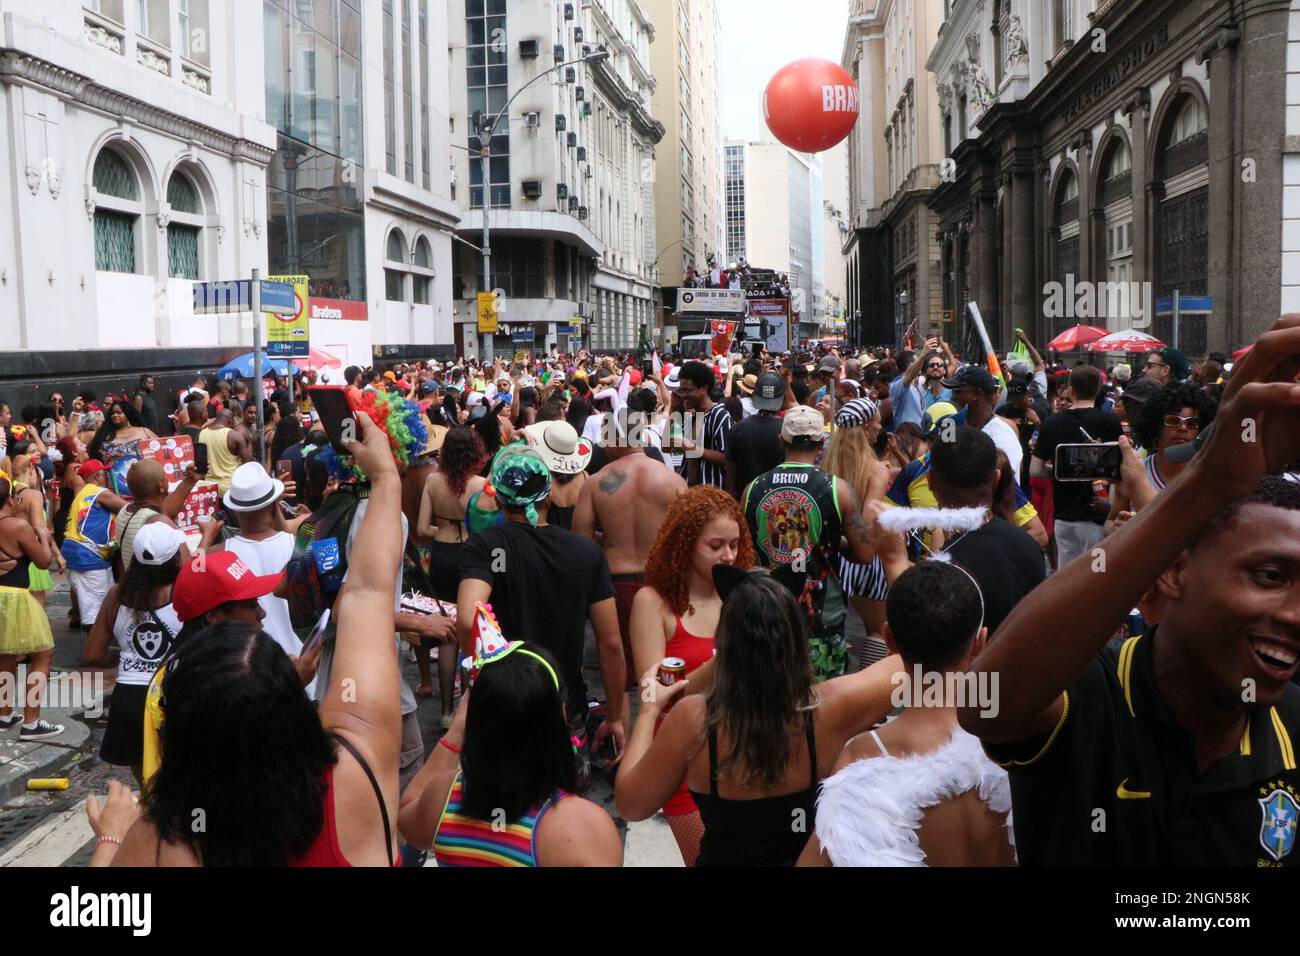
pixel 769 831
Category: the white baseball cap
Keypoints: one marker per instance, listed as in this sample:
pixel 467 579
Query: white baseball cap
pixel 157 543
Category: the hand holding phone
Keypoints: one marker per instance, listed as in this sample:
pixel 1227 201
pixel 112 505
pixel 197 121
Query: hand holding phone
pixel 317 634
pixel 1091 462
pixel 335 411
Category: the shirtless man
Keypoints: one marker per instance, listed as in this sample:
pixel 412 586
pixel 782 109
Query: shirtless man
pixel 629 499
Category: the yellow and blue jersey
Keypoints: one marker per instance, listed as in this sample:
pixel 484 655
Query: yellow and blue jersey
pixel 911 489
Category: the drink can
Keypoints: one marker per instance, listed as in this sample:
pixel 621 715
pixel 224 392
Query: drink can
pixel 671 671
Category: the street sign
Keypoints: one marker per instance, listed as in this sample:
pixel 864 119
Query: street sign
pixel 487 313
pixel 216 298
pixel 289 335
pixel 1187 305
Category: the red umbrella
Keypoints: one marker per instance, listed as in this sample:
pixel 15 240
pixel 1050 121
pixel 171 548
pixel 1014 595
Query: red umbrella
pixel 1073 340
pixel 1127 340
pixel 318 360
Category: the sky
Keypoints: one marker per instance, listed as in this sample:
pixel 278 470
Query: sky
pixel 761 36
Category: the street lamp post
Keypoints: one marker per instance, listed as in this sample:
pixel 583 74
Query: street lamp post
pixel 485 133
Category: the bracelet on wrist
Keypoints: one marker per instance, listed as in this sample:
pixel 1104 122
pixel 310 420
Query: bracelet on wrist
pixel 104 838
pixel 442 742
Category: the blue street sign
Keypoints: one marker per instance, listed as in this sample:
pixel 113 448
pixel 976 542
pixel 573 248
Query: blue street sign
pixel 1187 305
pixel 521 337
pixel 231 297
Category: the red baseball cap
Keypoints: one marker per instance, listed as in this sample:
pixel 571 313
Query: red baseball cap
pixel 90 466
pixel 211 580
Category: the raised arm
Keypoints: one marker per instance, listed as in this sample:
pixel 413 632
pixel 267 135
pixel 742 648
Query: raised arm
pixel 363 700
pixel 1039 365
pixel 1059 626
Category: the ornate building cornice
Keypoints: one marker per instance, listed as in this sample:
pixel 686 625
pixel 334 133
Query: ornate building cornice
pixel 19 68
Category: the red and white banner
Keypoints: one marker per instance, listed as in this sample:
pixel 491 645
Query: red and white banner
pixel 723 331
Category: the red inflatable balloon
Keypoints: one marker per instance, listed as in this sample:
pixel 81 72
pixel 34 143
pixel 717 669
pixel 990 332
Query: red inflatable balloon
pixel 811 104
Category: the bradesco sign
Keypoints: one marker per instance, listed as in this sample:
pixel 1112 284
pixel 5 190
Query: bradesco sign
pixel 717 301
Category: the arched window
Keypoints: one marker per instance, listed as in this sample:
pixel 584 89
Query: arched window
pixel 422 271
pixel 1182 231
pixel 394 278
pixel 117 212
pixel 1116 200
pixel 1065 226
pixel 184 229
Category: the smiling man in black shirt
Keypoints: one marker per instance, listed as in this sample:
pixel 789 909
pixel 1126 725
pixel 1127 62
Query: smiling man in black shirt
pixel 1178 747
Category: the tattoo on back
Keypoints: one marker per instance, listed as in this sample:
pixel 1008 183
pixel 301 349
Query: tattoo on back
pixel 612 482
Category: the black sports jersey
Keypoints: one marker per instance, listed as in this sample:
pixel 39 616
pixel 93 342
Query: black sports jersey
pixel 1116 783
pixel 793 514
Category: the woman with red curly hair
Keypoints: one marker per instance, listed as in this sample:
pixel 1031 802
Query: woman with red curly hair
pixel 676 613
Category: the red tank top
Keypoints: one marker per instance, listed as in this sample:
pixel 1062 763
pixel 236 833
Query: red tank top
pixel 696 651
pixel 325 849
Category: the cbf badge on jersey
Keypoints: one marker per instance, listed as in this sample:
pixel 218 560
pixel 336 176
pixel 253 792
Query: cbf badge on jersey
pixel 1277 828
pixel 789 522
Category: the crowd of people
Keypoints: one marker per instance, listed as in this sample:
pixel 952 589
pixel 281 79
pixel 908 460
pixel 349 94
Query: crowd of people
pixel 674 555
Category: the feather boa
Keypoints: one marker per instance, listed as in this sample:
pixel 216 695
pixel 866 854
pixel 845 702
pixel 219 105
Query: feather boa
pixel 900 520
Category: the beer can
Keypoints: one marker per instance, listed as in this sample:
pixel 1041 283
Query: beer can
pixel 47 783
pixel 671 671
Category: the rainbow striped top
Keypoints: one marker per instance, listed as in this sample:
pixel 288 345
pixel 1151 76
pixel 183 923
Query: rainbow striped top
pixel 467 841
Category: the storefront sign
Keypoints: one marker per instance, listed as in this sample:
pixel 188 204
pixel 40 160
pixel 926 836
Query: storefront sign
pixel 289 336
pixel 711 300
pixel 1134 57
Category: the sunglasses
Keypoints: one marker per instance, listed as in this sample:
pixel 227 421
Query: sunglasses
pixel 1192 422
pixel 936 365
pixel 1156 365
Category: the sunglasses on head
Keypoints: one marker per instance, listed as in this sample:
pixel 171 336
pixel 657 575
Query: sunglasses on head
pixel 1191 421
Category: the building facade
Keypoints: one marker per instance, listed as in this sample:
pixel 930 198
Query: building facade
pixel 886 50
pixel 774 211
pixel 689 223
pixel 571 211
pixel 625 141
pixel 835 232
pixel 152 143
pixel 358 191
pixel 1137 143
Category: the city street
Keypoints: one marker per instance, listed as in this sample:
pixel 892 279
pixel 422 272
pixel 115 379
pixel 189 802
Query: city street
pixel 50 828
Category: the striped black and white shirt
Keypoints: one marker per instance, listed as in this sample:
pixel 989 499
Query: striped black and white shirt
pixel 717 432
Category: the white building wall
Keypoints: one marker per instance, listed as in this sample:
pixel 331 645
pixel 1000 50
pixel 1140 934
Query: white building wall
pixel 63 99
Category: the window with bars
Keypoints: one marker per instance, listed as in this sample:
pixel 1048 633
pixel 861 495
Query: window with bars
pixel 114 241
pixel 112 176
pixel 184 233
pixel 116 212
pixel 181 195
pixel 182 252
